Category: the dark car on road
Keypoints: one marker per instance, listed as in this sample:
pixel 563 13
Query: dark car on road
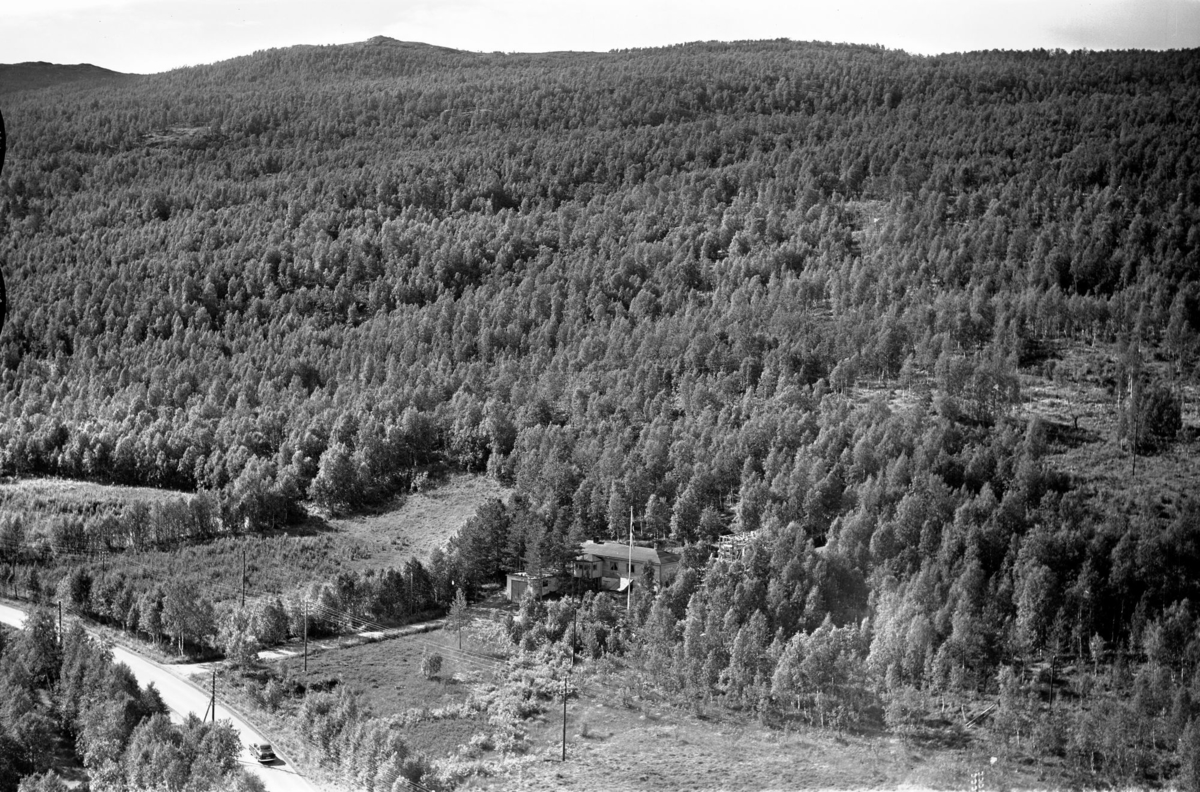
pixel 262 752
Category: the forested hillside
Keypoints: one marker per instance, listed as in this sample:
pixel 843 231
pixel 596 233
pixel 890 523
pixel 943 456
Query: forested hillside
pixel 796 287
pixel 28 76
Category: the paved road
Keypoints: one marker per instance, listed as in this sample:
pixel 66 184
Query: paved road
pixel 181 697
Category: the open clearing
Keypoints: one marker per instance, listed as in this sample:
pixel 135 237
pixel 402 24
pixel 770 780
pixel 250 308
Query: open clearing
pixel 621 736
pixel 1073 393
pixel 1078 407
pixel 276 561
pixel 388 675
pixel 388 535
pixel 423 521
pixel 620 741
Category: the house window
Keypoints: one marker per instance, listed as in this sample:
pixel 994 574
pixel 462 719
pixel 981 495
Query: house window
pixel 614 566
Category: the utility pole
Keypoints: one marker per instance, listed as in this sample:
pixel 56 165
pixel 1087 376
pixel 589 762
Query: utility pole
pixel 629 565
pixel 306 636
pixel 60 633
pixel 243 577
pixel 574 627
pixel 213 701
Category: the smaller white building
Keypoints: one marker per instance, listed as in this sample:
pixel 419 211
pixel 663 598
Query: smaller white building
pixel 519 582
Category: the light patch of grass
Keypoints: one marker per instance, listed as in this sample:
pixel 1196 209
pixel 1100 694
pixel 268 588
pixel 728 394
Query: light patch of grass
pixel 388 675
pixel 277 560
pixel 652 745
pixel 420 522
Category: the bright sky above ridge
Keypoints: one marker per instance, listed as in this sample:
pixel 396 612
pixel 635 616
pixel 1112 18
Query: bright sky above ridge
pixel 147 36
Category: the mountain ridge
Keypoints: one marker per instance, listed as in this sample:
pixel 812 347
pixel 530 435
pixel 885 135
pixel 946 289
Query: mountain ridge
pixel 35 75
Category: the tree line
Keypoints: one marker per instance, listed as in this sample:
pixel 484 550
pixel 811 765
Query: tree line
pixel 192 616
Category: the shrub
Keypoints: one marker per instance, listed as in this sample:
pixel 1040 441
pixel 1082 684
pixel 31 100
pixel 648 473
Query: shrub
pixel 1050 734
pixel 1164 417
pixel 431 666
pixel 272 695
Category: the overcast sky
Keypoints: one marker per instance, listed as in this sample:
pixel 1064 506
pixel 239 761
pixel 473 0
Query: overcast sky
pixel 148 36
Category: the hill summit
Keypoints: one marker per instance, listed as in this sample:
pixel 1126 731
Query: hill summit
pixel 33 75
pixel 416 46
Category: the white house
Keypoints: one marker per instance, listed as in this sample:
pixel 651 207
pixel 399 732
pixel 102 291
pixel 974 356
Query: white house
pixel 616 562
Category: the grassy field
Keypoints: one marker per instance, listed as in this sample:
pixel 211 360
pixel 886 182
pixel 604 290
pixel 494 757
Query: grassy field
pixel 388 675
pixel 387 535
pixel 278 560
pixel 419 523
pixel 623 736
pixel 618 739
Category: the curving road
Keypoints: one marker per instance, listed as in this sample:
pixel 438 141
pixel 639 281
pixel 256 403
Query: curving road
pixel 182 697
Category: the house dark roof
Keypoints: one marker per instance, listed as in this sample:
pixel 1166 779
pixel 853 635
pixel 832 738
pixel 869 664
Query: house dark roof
pixel 619 551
